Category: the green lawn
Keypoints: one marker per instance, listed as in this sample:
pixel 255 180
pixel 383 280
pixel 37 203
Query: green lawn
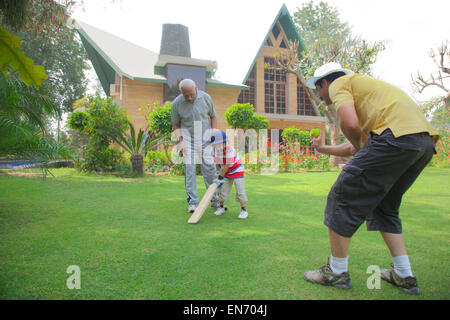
pixel 131 239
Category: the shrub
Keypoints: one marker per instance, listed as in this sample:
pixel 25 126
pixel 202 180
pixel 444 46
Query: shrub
pixel 303 160
pixel 78 120
pixel 239 115
pixel 104 159
pixel 156 161
pixel 125 168
pixel 442 158
pixel 177 169
pixel 294 135
pixel 106 115
pixel 258 122
pixel 102 114
pixel 159 117
pixel 160 121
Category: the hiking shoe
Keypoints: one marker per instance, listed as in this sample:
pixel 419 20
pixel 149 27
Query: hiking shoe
pixel 243 215
pixel 192 208
pixel 324 276
pixel 220 211
pixel 408 284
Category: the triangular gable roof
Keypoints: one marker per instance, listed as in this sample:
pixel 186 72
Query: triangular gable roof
pixel 110 54
pixel 285 19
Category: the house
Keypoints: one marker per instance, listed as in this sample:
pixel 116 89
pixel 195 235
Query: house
pixel 134 75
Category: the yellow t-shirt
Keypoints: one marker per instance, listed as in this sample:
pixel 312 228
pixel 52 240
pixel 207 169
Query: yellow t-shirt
pixel 380 106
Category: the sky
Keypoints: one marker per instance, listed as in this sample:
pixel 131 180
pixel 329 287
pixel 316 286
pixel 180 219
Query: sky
pixel 231 32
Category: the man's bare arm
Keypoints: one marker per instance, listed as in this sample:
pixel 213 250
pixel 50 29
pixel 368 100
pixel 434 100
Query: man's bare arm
pixel 213 123
pixel 341 150
pixel 177 131
pixel 349 123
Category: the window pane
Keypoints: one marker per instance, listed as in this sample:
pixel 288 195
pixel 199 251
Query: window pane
pixel 281 99
pixel 275 87
pixel 304 105
pixel 269 98
pixel 176 73
pixel 249 96
pixel 275 31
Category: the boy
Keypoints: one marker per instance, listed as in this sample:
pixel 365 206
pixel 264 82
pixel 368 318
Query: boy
pixel 231 171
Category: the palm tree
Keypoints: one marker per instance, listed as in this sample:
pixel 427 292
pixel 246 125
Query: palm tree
pixel 22 129
pixel 138 146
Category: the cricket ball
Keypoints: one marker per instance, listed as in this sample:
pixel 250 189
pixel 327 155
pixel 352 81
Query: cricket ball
pixel 315 132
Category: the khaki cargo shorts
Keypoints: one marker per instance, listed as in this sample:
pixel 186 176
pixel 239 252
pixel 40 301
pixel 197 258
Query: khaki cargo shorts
pixel 224 191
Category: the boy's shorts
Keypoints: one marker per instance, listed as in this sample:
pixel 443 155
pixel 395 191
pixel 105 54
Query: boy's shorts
pixel 224 194
pixel 371 185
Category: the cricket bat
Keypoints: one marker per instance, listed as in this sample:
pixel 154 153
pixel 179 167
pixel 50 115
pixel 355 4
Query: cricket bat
pixel 198 213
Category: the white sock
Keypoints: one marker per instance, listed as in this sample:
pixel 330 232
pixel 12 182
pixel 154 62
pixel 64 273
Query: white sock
pixel 339 265
pixel 402 267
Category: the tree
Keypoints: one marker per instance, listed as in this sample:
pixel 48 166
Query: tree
pixel 320 22
pixel 101 118
pixel 13 58
pixel 38 16
pixel 136 146
pixel 439 78
pixel 25 102
pixel 45 38
pixel 22 131
pixel 64 60
pixel 437 110
pixel 327 39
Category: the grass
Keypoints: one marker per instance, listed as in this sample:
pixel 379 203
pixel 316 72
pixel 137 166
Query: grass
pixel 131 239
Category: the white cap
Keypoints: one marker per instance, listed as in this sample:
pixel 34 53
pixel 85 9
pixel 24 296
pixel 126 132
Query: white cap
pixel 325 70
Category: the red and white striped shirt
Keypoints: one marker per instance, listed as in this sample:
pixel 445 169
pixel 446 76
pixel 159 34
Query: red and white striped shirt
pixel 229 156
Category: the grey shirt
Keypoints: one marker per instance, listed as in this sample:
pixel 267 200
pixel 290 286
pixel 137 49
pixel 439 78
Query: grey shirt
pixel 185 113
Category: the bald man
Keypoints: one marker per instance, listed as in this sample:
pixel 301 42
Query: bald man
pixel 193 113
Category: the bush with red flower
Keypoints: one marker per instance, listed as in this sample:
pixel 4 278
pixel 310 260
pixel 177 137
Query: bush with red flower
pixel 442 158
